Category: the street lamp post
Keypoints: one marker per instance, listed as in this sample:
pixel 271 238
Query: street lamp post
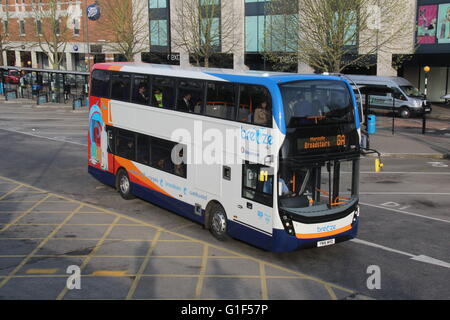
pixel 426 69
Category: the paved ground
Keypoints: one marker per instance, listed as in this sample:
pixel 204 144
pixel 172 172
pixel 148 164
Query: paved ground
pixel 405 230
pixel 43 234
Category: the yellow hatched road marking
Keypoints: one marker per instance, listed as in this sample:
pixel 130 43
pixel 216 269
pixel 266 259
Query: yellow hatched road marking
pixel 143 266
pixel 201 278
pixel 97 209
pixel 262 272
pixel 7 226
pixel 108 273
pixel 11 191
pixel 91 254
pixel 41 271
pixel 43 242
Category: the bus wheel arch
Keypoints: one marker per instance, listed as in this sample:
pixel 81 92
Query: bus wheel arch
pixel 216 220
pixel 123 184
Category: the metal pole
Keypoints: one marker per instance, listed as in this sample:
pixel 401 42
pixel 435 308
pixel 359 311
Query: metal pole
pixel 393 113
pixel 424 116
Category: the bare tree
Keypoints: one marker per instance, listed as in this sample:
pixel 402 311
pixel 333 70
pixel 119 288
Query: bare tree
pixel 205 27
pixel 331 35
pixel 52 30
pixel 126 20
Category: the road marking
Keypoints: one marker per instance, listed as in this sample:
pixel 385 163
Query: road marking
pixel 108 273
pixel 420 258
pixel 407 193
pixel 405 212
pixel 41 244
pixel 201 277
pixel 235 254
pixel 38 136
pixel 144 264
pixel 41 271
pixel 262 273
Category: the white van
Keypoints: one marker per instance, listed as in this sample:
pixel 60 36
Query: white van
pixel 408 99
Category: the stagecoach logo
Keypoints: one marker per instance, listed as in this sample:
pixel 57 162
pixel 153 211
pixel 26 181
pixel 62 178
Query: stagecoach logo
pixel 93 12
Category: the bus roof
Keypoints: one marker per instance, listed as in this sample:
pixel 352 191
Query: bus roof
pixel 206 73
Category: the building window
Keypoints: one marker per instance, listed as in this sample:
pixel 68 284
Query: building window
pixel 76 27
pixel 157 4
pixel 39 27
pixel 5 26
pixel 22 27
pixel 158 33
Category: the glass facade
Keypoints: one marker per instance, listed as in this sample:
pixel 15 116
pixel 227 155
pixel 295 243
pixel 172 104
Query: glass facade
pixel 159 25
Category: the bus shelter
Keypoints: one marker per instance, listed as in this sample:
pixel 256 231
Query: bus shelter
pixel 43 85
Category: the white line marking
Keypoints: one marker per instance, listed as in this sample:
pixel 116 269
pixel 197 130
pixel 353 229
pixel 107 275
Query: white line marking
pixel 405 212
pixel 406 193
pixel 408 173
pixel 38 136
pixel 420 258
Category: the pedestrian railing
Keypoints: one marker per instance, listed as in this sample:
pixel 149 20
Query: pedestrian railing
pixel 10 95
pixel 42 98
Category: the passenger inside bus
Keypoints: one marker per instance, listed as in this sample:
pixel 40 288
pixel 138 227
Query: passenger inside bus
pixel 157 100
pixel 163 164
pixel 185 103
pixel 303 107
pixel 262 114
pixel 141 96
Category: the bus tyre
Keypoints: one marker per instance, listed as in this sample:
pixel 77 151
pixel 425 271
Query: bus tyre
pixel 405 113
pixel 124 185
pixel 218 222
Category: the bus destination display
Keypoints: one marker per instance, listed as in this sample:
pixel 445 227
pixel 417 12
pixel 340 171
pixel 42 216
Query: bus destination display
pixel 315 143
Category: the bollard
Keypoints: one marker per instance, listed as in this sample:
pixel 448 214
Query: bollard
pixel 378 165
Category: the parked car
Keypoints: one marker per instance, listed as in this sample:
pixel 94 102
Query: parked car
pixel 12 76
pixel 408 99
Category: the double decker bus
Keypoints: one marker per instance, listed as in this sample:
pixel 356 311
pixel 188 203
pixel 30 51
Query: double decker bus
pixel 271 159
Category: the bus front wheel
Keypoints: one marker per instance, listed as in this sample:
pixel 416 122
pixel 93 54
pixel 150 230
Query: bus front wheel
pixel 218 222
pixel 124 185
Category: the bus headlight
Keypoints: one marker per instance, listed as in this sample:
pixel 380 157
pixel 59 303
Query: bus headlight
pixel 287 223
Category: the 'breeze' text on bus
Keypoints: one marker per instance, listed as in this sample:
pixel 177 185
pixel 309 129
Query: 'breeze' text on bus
pixel 209 144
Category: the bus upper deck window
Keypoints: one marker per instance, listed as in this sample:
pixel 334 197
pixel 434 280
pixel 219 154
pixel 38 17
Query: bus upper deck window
pixel 255 105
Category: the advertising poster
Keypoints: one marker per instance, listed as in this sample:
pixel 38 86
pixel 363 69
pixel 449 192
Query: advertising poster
pixel 427 24
pixel 443 26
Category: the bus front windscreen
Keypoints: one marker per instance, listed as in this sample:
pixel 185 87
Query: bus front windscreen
pixel 316 102
pixel 319 189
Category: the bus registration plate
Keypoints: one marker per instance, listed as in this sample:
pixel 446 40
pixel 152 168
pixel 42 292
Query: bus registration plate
pixel 325 243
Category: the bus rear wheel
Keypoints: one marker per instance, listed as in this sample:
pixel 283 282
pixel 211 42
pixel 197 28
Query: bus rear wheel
pixel 123 185
pixel 218 222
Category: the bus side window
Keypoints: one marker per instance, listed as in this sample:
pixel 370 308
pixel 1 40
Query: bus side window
pixel 163 95
pixel 126 145
pixel 143 149
pixel 255 105
pixel 100 83
pixel 191 95
pixel 220 100
pixel 121 84
pixel 141 94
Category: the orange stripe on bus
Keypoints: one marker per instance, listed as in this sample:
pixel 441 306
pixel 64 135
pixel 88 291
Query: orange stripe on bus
pixel 144 181
pixel 323 234
pixel 115 68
